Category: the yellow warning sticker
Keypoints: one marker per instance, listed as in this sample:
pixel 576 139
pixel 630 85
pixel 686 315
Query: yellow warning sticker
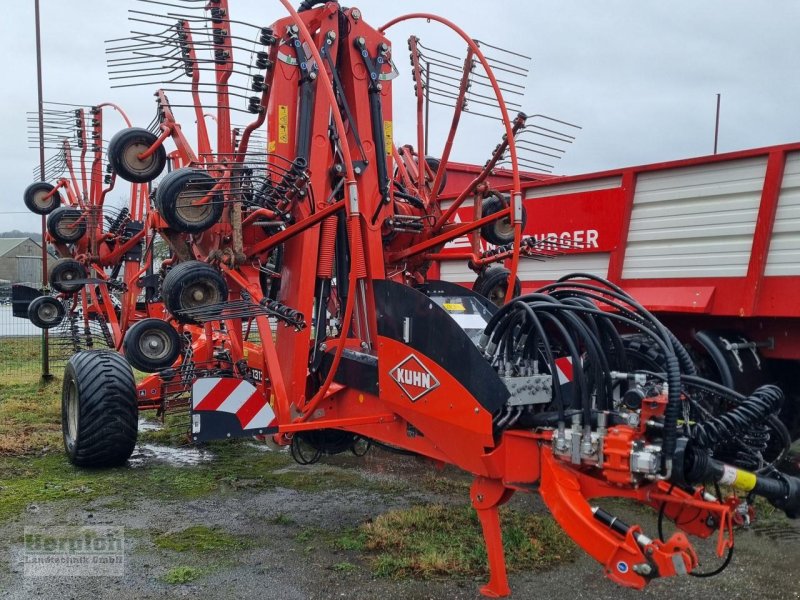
pixel 454 306
pixel 388 137
pixel 741 480
pixel 283 123
pixel 745 481
pixel 272 145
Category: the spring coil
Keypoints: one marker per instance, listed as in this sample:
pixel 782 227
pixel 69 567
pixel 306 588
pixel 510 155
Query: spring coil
pixel 742 422
pixel 117 223
pixel 748 452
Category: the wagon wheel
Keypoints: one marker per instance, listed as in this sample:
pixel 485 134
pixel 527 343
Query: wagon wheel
pixel 498 232
pixel 152 345
pixel 66 224
pixel 124 155
pixel 38 198
pixel 180 200
pixel 46 312
pixel 66 275
pixel 192 285
pixel 493 284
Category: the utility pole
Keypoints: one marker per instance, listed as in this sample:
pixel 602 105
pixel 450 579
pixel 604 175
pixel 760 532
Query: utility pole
pixel 45 345
pixel 716 125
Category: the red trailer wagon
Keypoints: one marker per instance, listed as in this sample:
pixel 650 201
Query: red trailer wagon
pixel 710 244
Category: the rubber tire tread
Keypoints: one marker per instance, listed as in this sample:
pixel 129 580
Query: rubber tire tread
pixel 108 411
pixel 643 353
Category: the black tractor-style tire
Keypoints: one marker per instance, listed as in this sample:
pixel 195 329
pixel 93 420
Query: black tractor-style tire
pixel 123 155
pixel 66 275
pixel 152 345
pixel 37 200
pixel 99 412
pixel 176 197
pixel 66 224
pixel 434 164
pixel 499 232
pixel 193 284
pixel 643 353
pixel 493 284
pixel 46 312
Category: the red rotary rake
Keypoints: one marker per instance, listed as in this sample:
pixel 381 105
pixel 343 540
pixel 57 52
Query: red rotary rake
pixel 295 302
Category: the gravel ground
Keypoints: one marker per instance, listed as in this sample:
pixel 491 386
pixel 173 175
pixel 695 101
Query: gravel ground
pixel 279 566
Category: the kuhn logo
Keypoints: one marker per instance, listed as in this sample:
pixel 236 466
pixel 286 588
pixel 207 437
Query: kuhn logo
pixel 414 378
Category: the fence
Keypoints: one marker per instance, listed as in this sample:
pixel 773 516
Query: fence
pixel 20 345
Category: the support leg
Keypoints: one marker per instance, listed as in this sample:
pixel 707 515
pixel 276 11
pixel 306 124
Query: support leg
pixel 487 496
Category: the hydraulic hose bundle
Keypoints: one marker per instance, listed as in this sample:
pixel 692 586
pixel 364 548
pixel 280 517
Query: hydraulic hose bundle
pixel 578 319
pixel 574 319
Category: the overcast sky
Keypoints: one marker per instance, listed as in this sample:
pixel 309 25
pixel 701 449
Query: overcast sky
pixel 639 77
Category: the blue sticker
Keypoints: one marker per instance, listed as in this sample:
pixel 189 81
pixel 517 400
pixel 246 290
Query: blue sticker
pixel 622 567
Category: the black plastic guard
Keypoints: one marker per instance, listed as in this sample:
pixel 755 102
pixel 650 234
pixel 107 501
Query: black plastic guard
pixel 21 297
pixel 434 333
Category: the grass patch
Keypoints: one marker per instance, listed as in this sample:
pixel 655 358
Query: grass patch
pixel 181 575
pixel 30 411
pixel 28 480
pixel 21 359
pixel 437 541
pixel 200 539
pixel 344 567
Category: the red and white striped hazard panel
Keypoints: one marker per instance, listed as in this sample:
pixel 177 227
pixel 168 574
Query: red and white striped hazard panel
pixel 235 396
pixel 564 370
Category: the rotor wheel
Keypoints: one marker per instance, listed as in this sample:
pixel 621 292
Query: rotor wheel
pixel 179 196
pixel 493 284
pixel 99 412
pixel 152 345
pixel 501 231
pixel 66 225
pixel 46 312
pixel 191 285
pixel 38 199
pixel 124 151
pixel 66 275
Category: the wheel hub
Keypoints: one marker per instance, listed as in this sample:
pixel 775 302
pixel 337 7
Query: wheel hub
pixel 186 204
pixel 48 313
pixel 132 159
pixel 72 412
pixel 154 345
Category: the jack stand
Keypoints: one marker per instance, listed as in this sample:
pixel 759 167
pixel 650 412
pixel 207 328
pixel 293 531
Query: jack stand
pixel 487 496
